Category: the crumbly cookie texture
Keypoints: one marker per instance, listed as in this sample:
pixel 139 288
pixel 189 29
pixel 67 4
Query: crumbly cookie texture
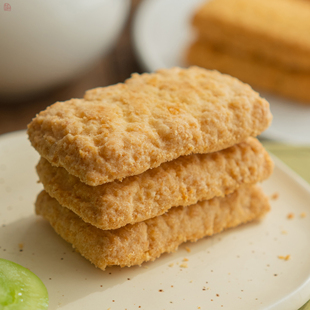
pixel 257 72
pixel 126 129
pixel 181 182
pixel 276 30
pixel 145 241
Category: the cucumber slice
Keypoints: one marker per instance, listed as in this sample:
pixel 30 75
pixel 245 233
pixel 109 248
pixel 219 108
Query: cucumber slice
pixel 20 289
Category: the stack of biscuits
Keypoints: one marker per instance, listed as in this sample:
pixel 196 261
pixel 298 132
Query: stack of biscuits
pixel 133 170
pixel 265 43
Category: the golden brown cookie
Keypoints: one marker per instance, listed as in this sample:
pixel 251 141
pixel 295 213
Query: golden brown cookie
pixel 145 241
pixel 259 74
pixel 275 30
pixel 181 182
pixel 126 129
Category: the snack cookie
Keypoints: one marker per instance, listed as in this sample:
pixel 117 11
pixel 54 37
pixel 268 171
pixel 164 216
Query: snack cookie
pixel 126 129
pixel 275 30
pixel 145 241
pixel 181 182
pixel 255 71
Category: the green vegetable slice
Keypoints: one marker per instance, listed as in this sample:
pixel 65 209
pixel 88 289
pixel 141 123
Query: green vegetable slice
pixel 20 289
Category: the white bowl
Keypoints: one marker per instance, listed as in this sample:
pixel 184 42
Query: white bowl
pixel 46 43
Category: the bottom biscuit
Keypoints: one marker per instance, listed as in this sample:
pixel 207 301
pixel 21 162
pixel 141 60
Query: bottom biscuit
pixel 257 72
pixel 145 241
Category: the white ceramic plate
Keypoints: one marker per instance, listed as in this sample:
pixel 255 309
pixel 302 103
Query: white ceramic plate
pixel 238 269
pixel 162 32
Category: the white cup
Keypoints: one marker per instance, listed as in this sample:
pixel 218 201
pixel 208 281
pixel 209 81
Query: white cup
pixel 44 43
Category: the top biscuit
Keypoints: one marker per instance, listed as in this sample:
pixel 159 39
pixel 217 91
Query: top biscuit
pixel 125 129
pixel 276 30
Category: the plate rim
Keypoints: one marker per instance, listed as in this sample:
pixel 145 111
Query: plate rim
pixel 302 289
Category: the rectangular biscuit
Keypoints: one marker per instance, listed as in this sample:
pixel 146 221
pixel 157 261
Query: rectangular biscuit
pixel 125 129
pixel 181 182
pixel 275 30
pixel 145 241
pixel 256 72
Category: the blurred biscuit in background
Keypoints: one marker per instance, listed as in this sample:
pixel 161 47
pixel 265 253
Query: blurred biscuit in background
pixel 264 43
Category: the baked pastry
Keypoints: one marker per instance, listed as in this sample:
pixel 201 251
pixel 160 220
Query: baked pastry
pixel 274 30
pixel 261 42
pixel 253 70
pixel 125 129
pixel 133 170
pixel 145 241
pixel 180 182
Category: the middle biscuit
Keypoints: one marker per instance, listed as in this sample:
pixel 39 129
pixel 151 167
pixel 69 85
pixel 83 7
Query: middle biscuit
pixel 181 182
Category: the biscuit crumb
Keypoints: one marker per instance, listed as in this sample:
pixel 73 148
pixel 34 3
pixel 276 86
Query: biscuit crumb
pixel 284 232
pixel 287 257
pixel 274 196
pixel 183 265
pixel 188 250
pixel 290 216
pixel 185 259
pixel 171 265
pixel 303 215
pixel 198 308
pixel 21 247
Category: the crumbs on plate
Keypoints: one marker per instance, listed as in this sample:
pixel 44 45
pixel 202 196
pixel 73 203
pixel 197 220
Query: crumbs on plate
pixel 274 196
pixel 290 216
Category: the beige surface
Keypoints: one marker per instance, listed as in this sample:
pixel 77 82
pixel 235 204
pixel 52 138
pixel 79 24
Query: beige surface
pixel 125 129
pixel 259 74
pixel 145 241
pixel 181 182
pixel 276 30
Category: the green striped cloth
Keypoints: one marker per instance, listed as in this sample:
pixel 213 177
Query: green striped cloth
pixel 306 306
pixel 298 159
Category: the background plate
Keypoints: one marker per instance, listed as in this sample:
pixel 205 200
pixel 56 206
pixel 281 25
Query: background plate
pixel 162 32
pixel 239 267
